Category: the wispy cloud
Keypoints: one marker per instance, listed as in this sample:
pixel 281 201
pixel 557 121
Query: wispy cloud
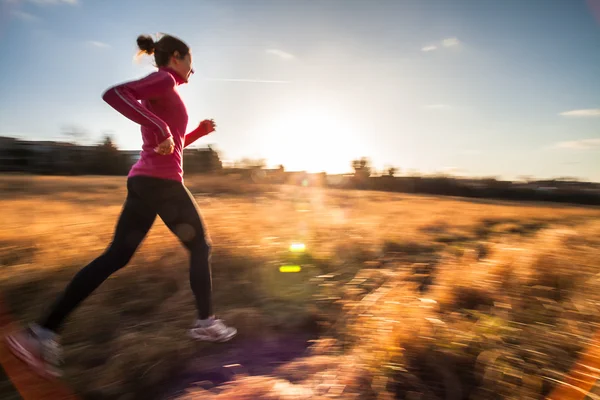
pixel 23 16
pixel 54 2
pixel 450 42
pixel 447 42
pixel 582 144
pixel 437 107
pixel 98 44
pixel 280 53
pixel 590 112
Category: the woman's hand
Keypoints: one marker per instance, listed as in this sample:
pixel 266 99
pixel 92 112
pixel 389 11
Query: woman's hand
pixel 208 126
pixel 166 147
pixel 204 128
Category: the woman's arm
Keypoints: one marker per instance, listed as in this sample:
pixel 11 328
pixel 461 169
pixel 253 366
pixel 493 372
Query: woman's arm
pixel 204 128
pixel 125 99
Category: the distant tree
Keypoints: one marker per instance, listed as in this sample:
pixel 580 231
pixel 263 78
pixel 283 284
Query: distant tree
pixel 108 144
pixel 107 159
pixel 391 171
pixel 362 168
pixel 76 134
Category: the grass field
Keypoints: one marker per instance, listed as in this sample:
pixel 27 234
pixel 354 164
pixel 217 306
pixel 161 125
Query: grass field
pixel 399 296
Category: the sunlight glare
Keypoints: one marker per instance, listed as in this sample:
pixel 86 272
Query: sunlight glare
pixel 312 139
pixel 297 247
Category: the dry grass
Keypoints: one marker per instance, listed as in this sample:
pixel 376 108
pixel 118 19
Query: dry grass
pixel 410 296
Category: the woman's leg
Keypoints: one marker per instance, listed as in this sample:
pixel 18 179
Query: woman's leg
pixel 134 223
pixel 177 208
pixel 181 215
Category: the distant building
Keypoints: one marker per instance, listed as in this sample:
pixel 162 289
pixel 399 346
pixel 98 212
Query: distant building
pixel 132 156
pixel 41 156
pixel 49 157
pixel 201 160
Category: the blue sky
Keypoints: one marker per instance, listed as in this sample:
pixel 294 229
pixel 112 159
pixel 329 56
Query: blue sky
pixel 468 87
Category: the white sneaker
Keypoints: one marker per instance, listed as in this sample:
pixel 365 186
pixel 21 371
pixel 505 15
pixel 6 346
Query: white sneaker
pixel 38 348
pixel 216 332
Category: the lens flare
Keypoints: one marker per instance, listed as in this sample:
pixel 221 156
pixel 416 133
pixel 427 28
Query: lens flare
pixel 297 248
pixel 290 268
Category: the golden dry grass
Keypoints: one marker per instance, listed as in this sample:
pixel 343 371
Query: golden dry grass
pixel 411 296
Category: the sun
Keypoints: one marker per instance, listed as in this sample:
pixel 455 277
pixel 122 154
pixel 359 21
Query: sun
pixel 312 139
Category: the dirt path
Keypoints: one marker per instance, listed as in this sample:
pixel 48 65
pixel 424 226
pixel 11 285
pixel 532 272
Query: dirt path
pixel 252 356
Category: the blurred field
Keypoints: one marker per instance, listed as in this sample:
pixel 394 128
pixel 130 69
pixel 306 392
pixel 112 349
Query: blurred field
pixel 399 296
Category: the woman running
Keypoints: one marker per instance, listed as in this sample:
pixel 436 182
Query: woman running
pixel 154 187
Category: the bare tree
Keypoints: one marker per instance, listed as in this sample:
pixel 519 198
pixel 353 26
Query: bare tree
pixel 362 167
pixel 76 133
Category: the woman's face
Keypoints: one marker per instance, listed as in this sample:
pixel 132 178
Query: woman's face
pixel 183 66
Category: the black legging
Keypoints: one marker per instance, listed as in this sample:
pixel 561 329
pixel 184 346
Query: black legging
pixel 146 198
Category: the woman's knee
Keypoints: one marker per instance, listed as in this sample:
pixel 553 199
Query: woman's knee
pixel 201 244
pixel 188 232
pixel 193 237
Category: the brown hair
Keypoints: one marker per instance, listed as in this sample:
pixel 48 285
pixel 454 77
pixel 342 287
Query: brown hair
pixel 163 49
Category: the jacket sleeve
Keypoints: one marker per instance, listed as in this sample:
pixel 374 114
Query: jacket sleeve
pixel 200 131
pixel 125 99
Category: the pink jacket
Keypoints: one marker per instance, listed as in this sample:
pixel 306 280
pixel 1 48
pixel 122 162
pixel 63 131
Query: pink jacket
pixel 161 114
